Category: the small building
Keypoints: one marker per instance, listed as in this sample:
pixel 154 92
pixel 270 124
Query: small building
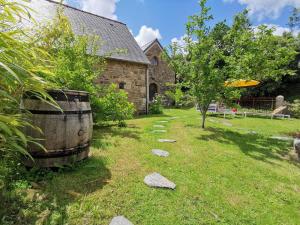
pixel 160 75
pixel 129 70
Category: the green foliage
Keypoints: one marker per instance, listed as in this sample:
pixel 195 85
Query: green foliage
pixel 156 106
pixel 288 86
pixel 114 106
pixel 227 53
pixel 180 98
pixel 295 108
pixel 21 66
pixel 77 65
pixel 175 56
pixel 176 95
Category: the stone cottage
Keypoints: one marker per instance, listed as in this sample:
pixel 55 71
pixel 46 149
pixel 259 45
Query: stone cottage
pixel 129 70
pixel 160 75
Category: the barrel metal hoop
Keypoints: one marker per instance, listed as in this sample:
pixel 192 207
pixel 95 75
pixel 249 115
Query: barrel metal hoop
pixel 47 112
pixel 60 152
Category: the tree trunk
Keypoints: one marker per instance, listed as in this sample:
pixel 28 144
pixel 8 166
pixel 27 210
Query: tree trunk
pixel 203 119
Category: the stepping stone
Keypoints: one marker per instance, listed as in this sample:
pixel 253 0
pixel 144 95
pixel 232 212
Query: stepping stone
pixel 227 124
pixel 166 140
pixel 159 131
pixel 163 121
pixel 213 121
pixel 252 132
pixel 282 138
pixel 160 153
pixel 120 220
pixel 174 118
pixel 158 181
pixel 159 126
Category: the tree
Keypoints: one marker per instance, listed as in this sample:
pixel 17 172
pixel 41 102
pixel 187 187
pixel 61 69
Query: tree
pixel 206 59
pixel 222 53
pixel 76 63
pixel 294 19
pixel 287 85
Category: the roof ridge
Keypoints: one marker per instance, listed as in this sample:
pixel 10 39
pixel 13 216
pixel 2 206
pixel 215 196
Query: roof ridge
pixel 148 43
pixel 71 7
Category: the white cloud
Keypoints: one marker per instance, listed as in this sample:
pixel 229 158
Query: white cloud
pixel 147 34
pixel 279 30
pixel 106 8
pixel 180 41
pixel 266 8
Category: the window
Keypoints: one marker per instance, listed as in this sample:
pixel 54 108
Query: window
pixel 154 61
pixel 122 85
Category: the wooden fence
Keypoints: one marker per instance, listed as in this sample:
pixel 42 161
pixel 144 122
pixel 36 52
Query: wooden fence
pixel 259 103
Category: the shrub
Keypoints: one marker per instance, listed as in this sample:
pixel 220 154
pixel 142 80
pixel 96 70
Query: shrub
pixel 156 106
pixel 295 108
pixel 114 106
pixel 176 95
pixel 187 101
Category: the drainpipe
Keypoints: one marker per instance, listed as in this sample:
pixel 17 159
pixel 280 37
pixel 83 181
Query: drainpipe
pixel 147 90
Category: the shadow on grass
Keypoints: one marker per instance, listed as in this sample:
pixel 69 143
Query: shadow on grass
pixel 46 201
pixel 152 116
pixel 102 135
pixel 254 145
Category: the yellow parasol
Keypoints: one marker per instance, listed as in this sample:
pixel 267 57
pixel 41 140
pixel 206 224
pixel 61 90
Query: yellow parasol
pixel 242 83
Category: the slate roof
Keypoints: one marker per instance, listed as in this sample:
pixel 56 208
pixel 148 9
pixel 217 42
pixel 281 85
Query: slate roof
pixel 114 34
pixel 149 44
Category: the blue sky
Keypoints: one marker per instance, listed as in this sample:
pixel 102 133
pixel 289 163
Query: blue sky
pixel 165 19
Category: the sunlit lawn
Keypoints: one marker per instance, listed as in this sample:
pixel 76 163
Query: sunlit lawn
pixel 224 175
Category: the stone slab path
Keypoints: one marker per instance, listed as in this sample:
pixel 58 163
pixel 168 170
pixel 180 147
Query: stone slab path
pixel 227 124
pixel 120 220
pixel 166 140
pixel 159 152
pixel 159 131
pixel 159 126
pixel 163 121
pixel 158 181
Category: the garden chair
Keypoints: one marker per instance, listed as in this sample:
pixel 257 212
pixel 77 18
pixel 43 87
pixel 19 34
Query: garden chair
pixel 227 111
pixel 213 108
pixel 279 113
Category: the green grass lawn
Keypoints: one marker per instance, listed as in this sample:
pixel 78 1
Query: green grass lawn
pixel 224 175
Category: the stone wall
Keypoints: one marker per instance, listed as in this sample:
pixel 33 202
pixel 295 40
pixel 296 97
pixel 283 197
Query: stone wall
pixel 133 75
pixel 159 74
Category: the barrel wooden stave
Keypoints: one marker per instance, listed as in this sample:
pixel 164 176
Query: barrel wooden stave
pixel 66 135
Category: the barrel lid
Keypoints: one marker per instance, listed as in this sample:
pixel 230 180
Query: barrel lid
pixel 67 91
pixel 63 95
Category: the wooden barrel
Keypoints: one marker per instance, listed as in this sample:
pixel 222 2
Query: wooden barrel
pixel 66 133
